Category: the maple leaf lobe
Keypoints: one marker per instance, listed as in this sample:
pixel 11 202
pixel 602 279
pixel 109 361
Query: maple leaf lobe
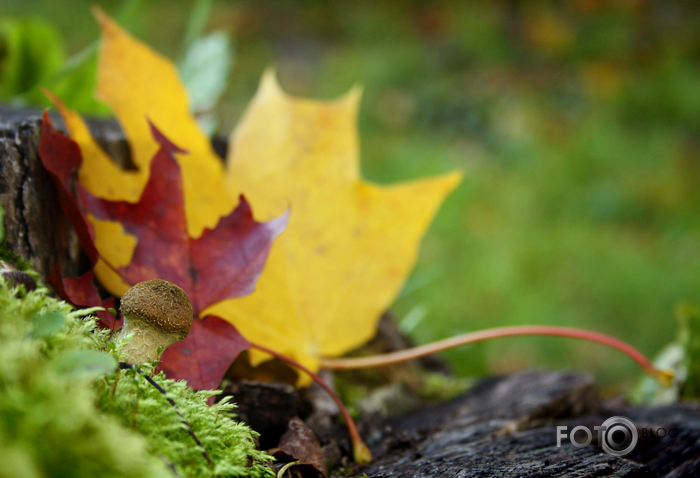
pixel 204 356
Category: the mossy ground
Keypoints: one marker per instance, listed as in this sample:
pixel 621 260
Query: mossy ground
pixel 65 409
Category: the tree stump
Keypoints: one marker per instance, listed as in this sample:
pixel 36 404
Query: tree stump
pixel 34 226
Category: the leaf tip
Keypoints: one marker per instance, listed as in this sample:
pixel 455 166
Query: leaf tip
pixel 279 224
pixel 269 76
pixel 354 95
pixel 361 453
pixel 269 85
pixel 663 377
pixel 103 20
pixel 46 122
pixel 453 178
pixel 50 95
pixel 56 101
pixel 163 140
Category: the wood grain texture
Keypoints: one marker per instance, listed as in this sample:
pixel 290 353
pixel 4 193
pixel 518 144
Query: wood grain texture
pixel 506 427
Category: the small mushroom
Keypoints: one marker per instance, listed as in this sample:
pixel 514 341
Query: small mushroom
pixel 16 277
pixel 157 313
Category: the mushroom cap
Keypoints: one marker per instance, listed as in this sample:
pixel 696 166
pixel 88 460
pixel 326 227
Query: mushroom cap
pixel 16 277
pixel 161 304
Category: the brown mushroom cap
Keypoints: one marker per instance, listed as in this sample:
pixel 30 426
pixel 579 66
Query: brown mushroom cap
pixel 161 304
pixel 16 277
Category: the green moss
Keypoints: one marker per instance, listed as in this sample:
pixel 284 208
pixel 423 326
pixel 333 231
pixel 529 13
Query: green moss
pixel 49 425
pixel 139 405
pixel 65 410
pixel 438 387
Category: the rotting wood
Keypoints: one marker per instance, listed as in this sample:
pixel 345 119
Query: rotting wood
pixel 34 225
pixel 506 427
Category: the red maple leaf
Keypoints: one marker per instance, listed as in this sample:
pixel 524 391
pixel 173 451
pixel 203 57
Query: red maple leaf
pixel 82 292
pixel 224 263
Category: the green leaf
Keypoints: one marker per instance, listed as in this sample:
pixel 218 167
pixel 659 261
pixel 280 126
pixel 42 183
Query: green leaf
pixel 205 70
pixel 31 51
pixel 74 79
pixel 45 324
pixel 84 363
pixel 75 86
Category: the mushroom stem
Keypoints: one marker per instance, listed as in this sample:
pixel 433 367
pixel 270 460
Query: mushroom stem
pixel 142 342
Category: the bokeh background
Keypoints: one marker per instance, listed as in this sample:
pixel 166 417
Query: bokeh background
pixel 577 124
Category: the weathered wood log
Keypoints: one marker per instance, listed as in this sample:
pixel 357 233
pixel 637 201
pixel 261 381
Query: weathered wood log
pixel 507 427
pixel 34 226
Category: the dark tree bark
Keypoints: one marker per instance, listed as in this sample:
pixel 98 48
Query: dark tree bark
pixel 35 227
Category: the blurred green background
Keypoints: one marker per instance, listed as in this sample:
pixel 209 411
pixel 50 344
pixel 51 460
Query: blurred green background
pixel 577 124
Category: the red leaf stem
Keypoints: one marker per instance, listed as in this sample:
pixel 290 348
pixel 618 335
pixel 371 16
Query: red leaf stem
pixel 360 451
pixel 494 333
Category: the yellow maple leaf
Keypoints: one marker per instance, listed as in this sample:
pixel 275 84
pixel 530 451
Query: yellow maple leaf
pixel 349 244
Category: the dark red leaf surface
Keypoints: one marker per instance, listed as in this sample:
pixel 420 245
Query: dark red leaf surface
pixel 224 263
pixel 82 292
pixel 79 291
pixel 61 157
pixel 204 356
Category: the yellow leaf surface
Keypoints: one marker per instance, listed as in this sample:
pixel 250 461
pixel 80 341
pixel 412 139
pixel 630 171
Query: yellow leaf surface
pixel 349 244
pixel 118 247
